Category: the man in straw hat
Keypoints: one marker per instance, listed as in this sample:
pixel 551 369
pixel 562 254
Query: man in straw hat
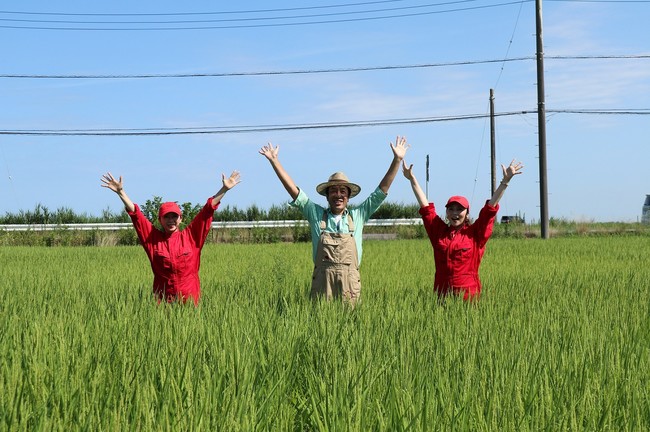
pixel 336 231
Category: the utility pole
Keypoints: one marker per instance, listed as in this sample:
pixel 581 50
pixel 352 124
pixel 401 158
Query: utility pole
pixel 427 178
pixel 493 159
pixel 541 123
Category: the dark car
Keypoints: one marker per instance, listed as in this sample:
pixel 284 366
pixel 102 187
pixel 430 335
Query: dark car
pixel 512 219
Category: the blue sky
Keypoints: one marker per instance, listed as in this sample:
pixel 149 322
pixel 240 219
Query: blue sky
pixel 597 164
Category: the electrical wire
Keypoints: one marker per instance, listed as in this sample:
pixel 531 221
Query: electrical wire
pixel 204 13
pixel 262 73
pixel 261 25
pixel 322 71
pixel 320 15
pixel 303 126
pixel 509 44
pixel 242 129
pixel 599 1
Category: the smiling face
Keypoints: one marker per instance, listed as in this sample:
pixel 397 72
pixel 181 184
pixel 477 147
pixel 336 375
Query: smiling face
pixel 456 215
pixel 170 222
pixel 337 198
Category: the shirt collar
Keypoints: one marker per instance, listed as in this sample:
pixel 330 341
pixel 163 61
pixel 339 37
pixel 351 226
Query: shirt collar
pixel 345 212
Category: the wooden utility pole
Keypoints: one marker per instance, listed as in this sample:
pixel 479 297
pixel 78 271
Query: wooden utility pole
pixel 493 158
pixel 541 123
pixel 427 177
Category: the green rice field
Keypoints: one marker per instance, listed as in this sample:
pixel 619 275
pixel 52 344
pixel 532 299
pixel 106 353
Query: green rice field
pixel 559 341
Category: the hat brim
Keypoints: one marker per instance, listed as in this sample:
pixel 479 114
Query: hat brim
pixel 169 207
pixel 461 201
pixel 354 188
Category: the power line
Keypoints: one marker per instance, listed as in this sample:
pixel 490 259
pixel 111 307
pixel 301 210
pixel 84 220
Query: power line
pixel 236 129
pixel 259 11
pixel 509 43
pixel 320 15
pixel 621 111
pixel 600 1
pixel 203 13
pixel 289 72
pixel 284 24
pixel 333 6
pixel 598 57
pixel 302 126
pixel 319 71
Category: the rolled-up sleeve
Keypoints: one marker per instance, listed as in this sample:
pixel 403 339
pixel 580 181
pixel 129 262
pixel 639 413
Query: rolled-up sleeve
pixel 369 205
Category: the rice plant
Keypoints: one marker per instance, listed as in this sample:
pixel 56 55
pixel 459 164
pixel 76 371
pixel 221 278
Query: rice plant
pixel 558 341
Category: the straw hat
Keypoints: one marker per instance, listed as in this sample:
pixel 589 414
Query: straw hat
pixel 336 179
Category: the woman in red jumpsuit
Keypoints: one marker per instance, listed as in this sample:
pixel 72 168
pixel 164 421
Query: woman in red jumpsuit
pixel 175 255
pixel 458 245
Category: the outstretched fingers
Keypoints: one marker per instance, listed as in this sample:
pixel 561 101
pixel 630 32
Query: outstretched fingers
pixel 231 181
pixel 108 181
pixel 408 171
pixel 513 169
pixel 269 152
pixel 400 147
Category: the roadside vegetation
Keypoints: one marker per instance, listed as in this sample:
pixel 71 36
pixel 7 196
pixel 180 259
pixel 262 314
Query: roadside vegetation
pixel 63 236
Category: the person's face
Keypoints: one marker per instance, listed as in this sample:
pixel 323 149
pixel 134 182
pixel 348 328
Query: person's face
pixel 337 198
pixel 456 215
pixel 170 222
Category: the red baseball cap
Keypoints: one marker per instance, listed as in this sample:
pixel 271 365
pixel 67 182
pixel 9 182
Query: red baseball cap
pixel 458 199
pixel 169 207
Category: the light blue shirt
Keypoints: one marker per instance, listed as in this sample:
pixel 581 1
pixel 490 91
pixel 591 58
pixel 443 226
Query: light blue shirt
pixel 360 215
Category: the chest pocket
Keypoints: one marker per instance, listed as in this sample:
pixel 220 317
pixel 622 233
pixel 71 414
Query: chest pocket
pixel 183 260
pixel 162 259
pixel 175 261
pixel 462 249
pixel 337 248
pixel 456 249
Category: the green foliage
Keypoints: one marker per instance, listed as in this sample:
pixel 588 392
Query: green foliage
pixel 301 233
pixel 229 213
pixel 551 345
pixel 127 237
pixel 390 210
pixel 265 235
pixel 284 212
pixel 109 217
pixel 253 213
pixel 189 211
pixel 406 232
pixel 42 215
pixel 65 237
pixel 150 210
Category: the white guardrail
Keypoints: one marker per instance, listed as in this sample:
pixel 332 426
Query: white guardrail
pixel 215 225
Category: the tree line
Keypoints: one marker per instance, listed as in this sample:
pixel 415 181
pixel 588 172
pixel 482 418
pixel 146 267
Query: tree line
pixel 41 214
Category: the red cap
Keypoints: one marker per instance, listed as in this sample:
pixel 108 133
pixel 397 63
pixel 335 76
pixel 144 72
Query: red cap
pixel 460 200
pixel 169 207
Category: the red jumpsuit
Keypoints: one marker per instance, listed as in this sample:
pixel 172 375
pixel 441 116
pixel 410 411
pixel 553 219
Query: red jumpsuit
pixel 175 258
pixel 458 252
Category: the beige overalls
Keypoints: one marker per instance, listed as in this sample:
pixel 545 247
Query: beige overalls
pixel 336 269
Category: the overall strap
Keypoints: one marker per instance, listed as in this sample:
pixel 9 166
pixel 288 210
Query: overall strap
pixel 350 223
pixel 323 222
